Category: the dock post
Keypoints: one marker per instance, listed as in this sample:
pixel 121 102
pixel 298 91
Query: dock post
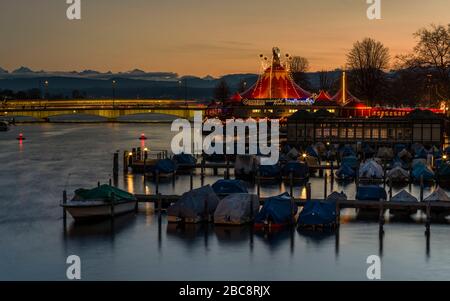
pixel 410 179
pixel 381 216
pixel 112 208
pixel 291 183
pixel 116 167
pixel 159 201
pixel 98 183
pixel 64 201
pixel 384 174
pixel 110 182
pixel 428 221
pixel 325 187
pixel 421 188
pixel 308 192
pixel 332 175
pixel 191 176
pixel 202 172
pixel 321 171
pixel 157 181
pixel 338 213
pixel 390 189
pixel 174 177
pixel 258 183
pixel 125 162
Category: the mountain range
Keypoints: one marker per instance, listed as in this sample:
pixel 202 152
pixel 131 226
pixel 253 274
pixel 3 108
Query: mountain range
pixel 132 84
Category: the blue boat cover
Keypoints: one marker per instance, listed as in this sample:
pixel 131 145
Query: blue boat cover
pixel 278 209
pixel 397 162
pixel 420 170
pixel 351 161
pixel 318 213
pixel 346 172
pixel 310 151
pixel 184 159
pixel 444 169
pixel 165 166
pixel 299 169
pixel 270 170
pixel 371 193
pixel 229 186
pixel 399 147
pixel 421 153
pixel 347 151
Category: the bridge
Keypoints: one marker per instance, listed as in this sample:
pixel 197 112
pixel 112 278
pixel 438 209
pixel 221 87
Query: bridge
pixel 109 109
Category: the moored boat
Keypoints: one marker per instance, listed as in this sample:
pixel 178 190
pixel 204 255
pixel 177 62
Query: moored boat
pixel 438 195
pixel 404 197
pixel 101 202
pixel 4 126
pixel 298 170
pixel 276 213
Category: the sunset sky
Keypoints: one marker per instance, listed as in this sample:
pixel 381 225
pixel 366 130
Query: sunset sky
pixel 201 37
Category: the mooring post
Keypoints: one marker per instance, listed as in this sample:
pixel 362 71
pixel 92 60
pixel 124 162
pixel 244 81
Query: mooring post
pixel 110 182
pixel 125 162
pixel 332 175
pixel 384 174
pixel 157 181
pixel 191 179
pixel 325 187
pixel 410 179
pixel 390 189
pixel 321 171
pixel 159 202
pixel 112 207
pixel 98 183
pixel 64 200
pixel 381 216
pixel 174 177
pixel 338 213
pixel 258 183
pixel 116 166
pixel 308 192
pixel 421 188
pixel 291 183
pixel 428 221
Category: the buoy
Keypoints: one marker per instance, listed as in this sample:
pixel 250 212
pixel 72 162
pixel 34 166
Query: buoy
pixel 21 137
pixel 143 137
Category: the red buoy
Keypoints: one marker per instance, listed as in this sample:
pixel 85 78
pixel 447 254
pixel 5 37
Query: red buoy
pixel 143 137
pixel 21 137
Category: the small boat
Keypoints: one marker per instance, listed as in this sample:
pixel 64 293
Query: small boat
pixel 236 209
pixel 345 173
pixel 404 197
pixel 439 195
pixel 370 193
pixel 312 162
pixel 371 172
pixel 299 171
pixel 347 151
pixel 226 187
pixel 421 170
pixel 398 175
pixel 185 162
pixel 101 202
pixel 385 153
pixel 270 173
pixel 194 206
pixel 4 126
pixel 164 169
pixel 276 213
pixel 320 215
pixel 351 161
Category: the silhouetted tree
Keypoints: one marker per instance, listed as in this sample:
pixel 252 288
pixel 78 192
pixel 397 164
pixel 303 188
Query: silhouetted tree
pixel 367 62
pixel 299 66
pixel 221 91
pixel 326 81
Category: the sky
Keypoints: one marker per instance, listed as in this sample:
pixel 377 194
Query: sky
pixel 201 37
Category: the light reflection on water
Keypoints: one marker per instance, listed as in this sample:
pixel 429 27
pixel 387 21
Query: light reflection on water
pixel 58 157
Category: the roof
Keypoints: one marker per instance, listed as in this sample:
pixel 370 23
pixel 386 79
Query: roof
pixel 301 115
pixel 339 97
pixel 422 114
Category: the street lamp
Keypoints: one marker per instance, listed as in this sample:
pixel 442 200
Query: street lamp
pixel 114 92
pixel 180 82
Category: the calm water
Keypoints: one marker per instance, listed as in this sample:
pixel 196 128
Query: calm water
pixel 33 245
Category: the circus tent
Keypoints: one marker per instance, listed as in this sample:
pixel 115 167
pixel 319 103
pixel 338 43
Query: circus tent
pixel 324 99
pixel 275 83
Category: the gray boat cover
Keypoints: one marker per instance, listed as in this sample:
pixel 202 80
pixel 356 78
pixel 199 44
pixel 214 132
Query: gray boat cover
pixel 404 196
pixel 439 195
pixel 371 170
pixel 293 154
pixel 405 155
pixel 236 209
pixel 336 196
pixel 192 204
pixel 385 153
pixel 398 174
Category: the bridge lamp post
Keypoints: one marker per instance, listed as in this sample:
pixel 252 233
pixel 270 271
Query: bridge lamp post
pixel 46 95
pixel 114 92
pixel 185 89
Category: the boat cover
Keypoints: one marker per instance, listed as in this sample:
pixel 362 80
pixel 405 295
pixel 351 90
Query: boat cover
pixel 336 196
pixel 397 174
pixel 192 204
pixel 165 166
pixel 371 193
pixel 439 195
pixel 318 213
pixel 312 151
pixel 347 151
pixel 420 170
pixel 371 170
pixel 345 172
pixel 184 159
pixel 299 169
pixel 404 196
pixel 229 186
pixel 104 193
pixel 269 170
pixel 278 209
pixel 385 153
pixel 351 161
pixel 236 209
pixel 444 169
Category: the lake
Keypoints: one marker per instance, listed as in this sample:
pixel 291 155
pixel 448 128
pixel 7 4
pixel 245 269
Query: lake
pixel 57 157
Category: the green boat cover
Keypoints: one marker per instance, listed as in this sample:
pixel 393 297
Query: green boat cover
pixel 105 193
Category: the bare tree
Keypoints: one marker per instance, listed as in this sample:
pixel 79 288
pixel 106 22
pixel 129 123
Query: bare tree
pixel 367 62
pixel 221 91
pixel 299 66
pixel 326 81
pixel 432 55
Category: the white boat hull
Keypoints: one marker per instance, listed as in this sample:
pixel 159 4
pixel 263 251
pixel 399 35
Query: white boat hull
pixel 98 210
